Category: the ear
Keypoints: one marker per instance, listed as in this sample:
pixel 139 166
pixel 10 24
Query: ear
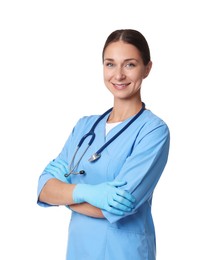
pixel 147 69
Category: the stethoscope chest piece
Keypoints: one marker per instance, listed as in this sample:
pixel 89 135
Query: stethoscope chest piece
pixel 73 167
pixel 94 157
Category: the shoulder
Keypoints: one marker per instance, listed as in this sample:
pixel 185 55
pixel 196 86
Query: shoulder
pixel 85 122
pixel 151 122
pixel 150 119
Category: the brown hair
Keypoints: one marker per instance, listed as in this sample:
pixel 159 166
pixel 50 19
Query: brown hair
pixel 132 37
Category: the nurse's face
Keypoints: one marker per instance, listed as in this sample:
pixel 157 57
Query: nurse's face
pixel 124 70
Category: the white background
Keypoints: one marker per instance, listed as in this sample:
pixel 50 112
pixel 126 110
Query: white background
pixel 51 74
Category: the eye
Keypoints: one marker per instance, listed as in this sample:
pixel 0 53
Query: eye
pixel 130 65
pixel 109 64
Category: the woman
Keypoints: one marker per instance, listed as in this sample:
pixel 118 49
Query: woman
pixel 111 200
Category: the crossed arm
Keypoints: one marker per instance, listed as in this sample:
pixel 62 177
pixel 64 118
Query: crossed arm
pixel 90 200
pixel 56 192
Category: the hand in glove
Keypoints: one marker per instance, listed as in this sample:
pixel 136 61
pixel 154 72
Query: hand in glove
pixel 105 196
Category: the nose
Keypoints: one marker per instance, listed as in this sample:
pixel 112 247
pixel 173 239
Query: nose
pixel 119 73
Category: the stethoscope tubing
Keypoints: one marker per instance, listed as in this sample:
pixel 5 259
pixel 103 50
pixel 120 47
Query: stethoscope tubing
pixel 122 130
pixel 91 133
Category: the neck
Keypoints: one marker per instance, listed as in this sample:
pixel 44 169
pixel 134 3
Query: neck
pixel 121 112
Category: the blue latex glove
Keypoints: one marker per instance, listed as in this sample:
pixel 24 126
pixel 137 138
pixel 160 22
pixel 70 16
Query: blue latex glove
pixel 58 168
pixel 105 196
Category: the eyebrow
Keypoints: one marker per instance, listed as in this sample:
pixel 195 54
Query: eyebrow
pixel 130 59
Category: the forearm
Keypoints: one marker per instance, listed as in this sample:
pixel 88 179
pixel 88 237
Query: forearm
pixel 56 192
pixel 105 196
pixel 87 209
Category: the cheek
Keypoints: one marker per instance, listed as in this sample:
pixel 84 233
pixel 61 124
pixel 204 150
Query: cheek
pixel 107 75
pixel 139 76
pixel 106 79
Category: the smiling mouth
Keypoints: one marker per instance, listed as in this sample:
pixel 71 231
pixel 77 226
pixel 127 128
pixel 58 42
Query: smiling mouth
pixel 120 86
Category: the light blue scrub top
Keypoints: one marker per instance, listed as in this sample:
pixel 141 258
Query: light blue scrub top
pixel 137 156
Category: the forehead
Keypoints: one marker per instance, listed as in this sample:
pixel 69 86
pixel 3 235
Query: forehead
pixel 121 50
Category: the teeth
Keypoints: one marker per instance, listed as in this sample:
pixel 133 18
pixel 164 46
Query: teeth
pixel 120 86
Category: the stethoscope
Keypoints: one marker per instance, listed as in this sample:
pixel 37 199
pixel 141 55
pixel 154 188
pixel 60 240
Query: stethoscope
pixel 97 154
